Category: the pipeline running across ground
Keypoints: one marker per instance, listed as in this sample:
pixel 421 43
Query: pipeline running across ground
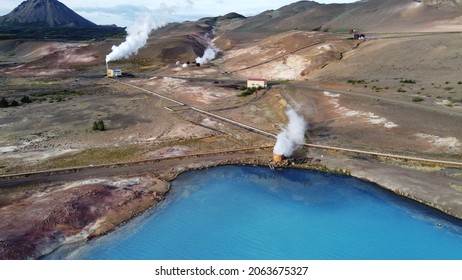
pixel 51 172
pixel 241 125
pixel 338 149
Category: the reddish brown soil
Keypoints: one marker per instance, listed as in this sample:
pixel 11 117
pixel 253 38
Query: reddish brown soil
pixel 62 213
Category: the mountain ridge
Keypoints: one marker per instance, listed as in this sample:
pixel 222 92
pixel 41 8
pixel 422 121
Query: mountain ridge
pixel 371 15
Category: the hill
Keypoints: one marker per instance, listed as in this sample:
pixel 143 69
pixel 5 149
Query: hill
pixel 302 15
pixel 44 13
pixel 367 16
pixel 399 16
pixel 50 19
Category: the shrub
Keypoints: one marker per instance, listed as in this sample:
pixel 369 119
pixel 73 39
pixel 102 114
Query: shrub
pixel 401 90
pixel 356 81
pixel 14 103
pixel 248 91
pixel 455 100
pixel 459 82
pixel 417 99
pixel 406 81
pixel 376 88
pixel 57 98
pixel 26 99
pixel 3 103
pixel 448 88
pixel 99 125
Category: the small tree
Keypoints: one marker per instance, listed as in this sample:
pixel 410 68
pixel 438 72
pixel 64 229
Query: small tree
pixel 3 103
pixel 26 99
pixel 99 125
pixel 14 103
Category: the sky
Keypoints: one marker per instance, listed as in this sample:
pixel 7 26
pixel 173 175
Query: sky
pixel 123 12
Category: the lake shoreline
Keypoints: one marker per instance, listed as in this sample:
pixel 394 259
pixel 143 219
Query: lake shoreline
pixel 432 188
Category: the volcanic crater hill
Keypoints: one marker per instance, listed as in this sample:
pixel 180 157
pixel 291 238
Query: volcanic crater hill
pixel 48 19
pixel 44 13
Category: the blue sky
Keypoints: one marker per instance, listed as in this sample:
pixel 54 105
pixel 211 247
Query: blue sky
pixel 123 12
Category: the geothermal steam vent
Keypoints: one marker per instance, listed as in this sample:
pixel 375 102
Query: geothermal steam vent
pixel 291 137
pixel 210 52
pixel 138 34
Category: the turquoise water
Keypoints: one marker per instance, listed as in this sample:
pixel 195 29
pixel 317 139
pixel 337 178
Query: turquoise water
pixel 238 212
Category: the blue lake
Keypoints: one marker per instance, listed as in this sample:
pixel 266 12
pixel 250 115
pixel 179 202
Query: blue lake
pixel 241 212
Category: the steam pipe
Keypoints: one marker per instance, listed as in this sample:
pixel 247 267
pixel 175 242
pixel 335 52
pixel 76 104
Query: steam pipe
pixel 271 135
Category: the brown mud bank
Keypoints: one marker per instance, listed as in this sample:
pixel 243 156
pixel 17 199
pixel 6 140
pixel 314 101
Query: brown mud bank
pixel 38 219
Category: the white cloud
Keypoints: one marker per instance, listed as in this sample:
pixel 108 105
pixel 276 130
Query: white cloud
pixel 118 15
pixel 121 15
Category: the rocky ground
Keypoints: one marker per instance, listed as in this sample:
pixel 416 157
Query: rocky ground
pixel 388 94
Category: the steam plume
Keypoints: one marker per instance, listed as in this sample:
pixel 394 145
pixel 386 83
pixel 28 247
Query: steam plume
pixel 210 53
pixel 291 136
pixel 137 34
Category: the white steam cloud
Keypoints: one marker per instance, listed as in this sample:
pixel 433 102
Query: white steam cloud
pixel 210 53
pixel 138 33
pixel 292 136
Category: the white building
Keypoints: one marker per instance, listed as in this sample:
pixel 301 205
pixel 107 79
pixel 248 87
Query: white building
pixel 256 82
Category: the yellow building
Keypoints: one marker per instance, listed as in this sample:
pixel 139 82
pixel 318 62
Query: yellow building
pixel 114 73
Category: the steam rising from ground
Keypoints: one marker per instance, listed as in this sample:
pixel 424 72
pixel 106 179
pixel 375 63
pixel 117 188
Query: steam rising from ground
pixel 138 33
pixel 292 136
pixel 210 53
